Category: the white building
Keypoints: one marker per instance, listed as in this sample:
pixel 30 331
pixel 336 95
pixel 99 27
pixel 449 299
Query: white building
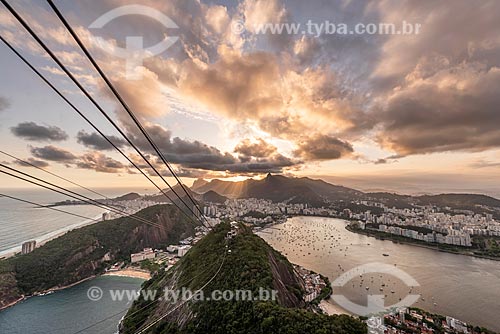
pixel 182 250
pixel 147 253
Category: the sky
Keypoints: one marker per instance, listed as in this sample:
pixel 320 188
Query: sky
pixel 409 112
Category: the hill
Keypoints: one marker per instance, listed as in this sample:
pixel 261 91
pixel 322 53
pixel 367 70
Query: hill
pixel 87 251
pixel 251 265
pixel 127 197
pixel 213 197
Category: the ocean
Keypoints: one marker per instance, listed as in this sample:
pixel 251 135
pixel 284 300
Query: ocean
pixel 20 222
pixel 70 310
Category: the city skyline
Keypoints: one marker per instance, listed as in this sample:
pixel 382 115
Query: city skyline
pixel 411 113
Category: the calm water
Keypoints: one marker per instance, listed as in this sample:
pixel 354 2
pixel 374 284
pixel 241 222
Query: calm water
pixel 20 222
pixel 68 311
pixel 460 286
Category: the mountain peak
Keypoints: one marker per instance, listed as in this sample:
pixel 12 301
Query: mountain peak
pixel 199 183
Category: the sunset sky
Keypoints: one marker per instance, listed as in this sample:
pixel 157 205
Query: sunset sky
pixel 410 113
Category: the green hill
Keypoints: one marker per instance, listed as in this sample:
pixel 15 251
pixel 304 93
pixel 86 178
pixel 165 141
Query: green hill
pixel 87 251
pixel 250 265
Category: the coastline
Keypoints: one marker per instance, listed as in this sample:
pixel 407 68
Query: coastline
pixel 43 239
pixel 405 242
pixel 128 272
pixel 54 289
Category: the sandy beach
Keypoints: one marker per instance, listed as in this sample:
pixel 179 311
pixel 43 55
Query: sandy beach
pixel 130 272
pixel 330 308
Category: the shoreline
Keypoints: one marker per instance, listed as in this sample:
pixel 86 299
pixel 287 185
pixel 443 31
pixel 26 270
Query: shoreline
pixel 51 290
pixel 119 273
pixel 404 242
pixel 43 239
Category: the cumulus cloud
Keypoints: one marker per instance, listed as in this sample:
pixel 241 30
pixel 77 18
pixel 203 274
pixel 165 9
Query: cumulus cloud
pixel 35 132
pixel 92 160
pixel 53 153
pixel 197 155
pixel 32 161
pixel 455 108
pixel 238 86
pixel 96 141
pixel 259 149
pixel 323 147
pixel 100 163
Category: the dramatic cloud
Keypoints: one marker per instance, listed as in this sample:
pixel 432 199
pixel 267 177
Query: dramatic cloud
pixel 259 149
pixel 32 161
pixel 456 108
pixel 96 141
pixel 90 160
pixel 53 153
pixel 323 147
pixel 408 94
pixel 191 157
pixel 100 163
pixel 197 155
pixel 35 132
pixel 239 86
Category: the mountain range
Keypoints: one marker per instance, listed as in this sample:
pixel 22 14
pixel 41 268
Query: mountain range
pixel 279 188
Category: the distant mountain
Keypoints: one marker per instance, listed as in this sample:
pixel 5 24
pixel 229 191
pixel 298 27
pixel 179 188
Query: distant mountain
pixel 226 188
pixel 280 188
pixel 199 183
pixel 213 197
pixel 463 201
pixel 127 197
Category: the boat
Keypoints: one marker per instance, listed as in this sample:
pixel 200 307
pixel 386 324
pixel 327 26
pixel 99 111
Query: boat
pixel 45 293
